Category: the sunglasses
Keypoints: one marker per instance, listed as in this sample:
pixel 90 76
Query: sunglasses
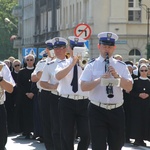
pixel 29 59
pixel 17 65
pixel 143 70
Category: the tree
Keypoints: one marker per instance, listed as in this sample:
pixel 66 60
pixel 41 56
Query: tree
pixel 6 30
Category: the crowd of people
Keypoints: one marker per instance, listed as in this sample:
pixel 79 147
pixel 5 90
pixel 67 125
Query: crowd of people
pixel 57 101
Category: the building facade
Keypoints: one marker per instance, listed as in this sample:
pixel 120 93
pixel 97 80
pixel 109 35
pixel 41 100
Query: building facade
pixel 44 19
pixel 37 22
pixel 126 18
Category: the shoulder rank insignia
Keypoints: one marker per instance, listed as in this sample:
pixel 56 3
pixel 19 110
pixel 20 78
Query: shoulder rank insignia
pixel 62 61
pixel 51 62
pixel 92 60
pixel 42 61
pixel 121 62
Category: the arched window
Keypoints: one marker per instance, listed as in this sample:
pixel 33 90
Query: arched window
pixel 134 55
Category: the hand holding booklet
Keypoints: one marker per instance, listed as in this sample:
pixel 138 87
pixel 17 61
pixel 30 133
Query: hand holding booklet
pixel 110 81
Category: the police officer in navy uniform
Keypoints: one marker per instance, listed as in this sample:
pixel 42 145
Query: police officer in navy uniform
pixel 107 120
pixel 6 84
pixel 50 104
pixel 73 102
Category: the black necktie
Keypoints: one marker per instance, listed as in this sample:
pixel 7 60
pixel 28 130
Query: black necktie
pixel 106 70
pixel 74 82
pixel 109 89
pixel 106 65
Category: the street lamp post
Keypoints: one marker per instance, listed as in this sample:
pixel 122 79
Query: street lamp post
pixel 148 36
pixel 15 38
pixel 8 21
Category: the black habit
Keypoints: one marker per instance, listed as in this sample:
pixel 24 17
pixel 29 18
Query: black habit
pixel 24 86
pixel 140 111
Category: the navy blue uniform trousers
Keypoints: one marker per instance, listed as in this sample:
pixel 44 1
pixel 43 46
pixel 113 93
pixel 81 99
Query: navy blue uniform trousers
pixel 46 119
pixel 74 113
pixel 50 119
pixel 107 127
pixel 3 127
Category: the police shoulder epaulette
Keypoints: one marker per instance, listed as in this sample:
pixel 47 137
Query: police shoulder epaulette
pixel 51 62
pixel 92 60
pixel 121 62
pixel 61 61
pixel 42 61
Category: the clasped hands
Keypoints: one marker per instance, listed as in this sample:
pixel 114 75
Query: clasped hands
pixel 30 95
pixel 143 95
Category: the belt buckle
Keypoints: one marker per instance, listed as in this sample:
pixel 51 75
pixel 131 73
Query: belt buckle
pixel 1 102
pixel 76 97
pixel 108 107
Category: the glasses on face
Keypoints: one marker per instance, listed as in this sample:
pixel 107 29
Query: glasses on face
pixel 29 59
pixel 17 65
pixel 143 70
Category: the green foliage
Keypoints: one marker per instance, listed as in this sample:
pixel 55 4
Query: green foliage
pixel 7 29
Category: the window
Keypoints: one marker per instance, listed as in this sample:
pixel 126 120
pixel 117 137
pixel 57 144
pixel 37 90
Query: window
pixel 42 2
pixel 49 3
pixel 134 11
pixel 130 4
pixel 134 52
pixel 134 15
pixel 134 55
pixel 73 14
pixel 57 4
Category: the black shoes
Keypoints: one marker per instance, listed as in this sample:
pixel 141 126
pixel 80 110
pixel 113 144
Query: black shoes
pixel 27 136
pixel 139 143
pixel 127 141
pixel 40 139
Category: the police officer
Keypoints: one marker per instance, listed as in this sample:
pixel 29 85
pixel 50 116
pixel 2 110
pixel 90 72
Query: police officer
pixel 6 84
pixel 73 102
pixel 106 114
pixel 36 76
pixel 50 104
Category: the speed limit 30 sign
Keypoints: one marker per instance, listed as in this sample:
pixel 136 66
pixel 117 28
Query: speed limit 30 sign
pixel 83 31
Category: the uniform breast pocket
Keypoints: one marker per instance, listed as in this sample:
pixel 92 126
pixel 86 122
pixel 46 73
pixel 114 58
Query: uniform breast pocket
pixel 97 74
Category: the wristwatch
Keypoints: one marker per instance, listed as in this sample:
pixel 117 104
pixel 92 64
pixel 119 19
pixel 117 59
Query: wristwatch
pixel 1 78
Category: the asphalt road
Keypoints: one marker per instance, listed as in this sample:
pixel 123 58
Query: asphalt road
pixel 18 142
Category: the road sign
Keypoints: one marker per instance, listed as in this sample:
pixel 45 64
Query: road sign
pixel 26 51
pixel 87 44
pixel 41 52
pixel 83 30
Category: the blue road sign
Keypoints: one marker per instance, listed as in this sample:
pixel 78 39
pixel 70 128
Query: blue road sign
pixel 87 44
pixel 26 51
pixel 40 52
